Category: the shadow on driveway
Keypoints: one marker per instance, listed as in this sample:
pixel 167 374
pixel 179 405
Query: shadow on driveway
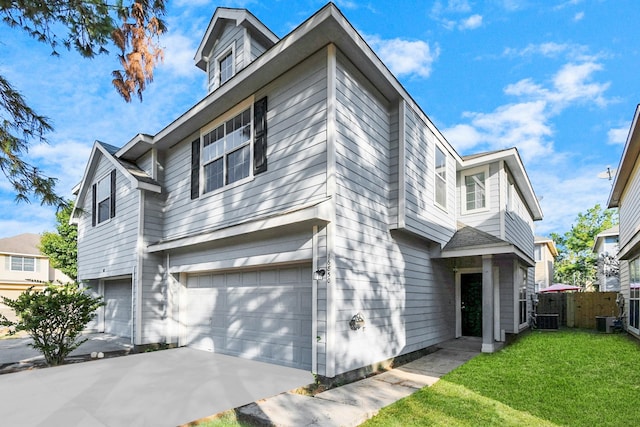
pixel 161 388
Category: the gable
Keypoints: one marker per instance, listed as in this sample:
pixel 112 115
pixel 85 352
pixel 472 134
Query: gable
pixel 226 20
pixel 105 152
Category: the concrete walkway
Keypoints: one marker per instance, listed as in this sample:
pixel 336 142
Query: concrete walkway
pixel 352 404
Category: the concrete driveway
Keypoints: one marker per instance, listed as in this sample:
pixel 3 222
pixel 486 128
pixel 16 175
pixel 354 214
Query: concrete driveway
pixel 162 388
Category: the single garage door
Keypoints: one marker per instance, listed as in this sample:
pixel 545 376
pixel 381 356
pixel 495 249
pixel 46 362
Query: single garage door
pixel 259 314
pixel 117 309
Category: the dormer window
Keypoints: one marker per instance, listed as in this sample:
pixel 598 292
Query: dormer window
pixel 225 66
pixel 222 67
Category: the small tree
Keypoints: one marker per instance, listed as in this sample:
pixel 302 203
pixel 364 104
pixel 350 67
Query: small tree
pixel 54 318
pixel 62 247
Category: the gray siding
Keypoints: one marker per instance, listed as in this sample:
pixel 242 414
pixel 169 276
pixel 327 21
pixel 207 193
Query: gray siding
pixel 423 216
pixel 231 36
pixel 629 209
pixel 519 226
pixel 296 160
pixel 109 248
pixel 389 278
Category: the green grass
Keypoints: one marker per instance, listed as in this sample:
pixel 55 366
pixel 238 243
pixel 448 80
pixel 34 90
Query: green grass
pixel 572 378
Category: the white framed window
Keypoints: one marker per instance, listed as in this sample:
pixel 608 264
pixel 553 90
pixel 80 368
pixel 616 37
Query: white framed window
pixel 22 263
pixel 475 189
pixel 104 204
pixel 226 149
pixel 522 296
pixel 537 253
pixel 440 178
pixel 634 294
pixel 222 67
pixel 225 65
pixel 511 195
pixel 103 199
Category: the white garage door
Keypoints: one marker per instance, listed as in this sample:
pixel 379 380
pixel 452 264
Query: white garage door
pixel 261 314
pixel 117 309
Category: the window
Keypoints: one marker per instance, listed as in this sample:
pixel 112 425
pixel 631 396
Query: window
pixel 510 195
pixel 225 65
pixel 522 296
pixel 537 253
pixel 104 199
pixel 231 149
pixel 226 152
pixel 441 178
pixel 475 191
pixel 634 294
pixel 21 263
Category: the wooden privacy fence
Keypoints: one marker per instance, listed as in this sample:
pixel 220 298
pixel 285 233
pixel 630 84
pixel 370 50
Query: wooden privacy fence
pixel 578 309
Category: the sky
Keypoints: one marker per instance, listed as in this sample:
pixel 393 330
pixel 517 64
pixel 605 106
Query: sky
pixel 558 79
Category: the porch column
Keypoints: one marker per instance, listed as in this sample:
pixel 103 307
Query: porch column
pixel 488 343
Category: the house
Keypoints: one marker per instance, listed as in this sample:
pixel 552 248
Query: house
pixel 625 195
pixel 545 253
pixel 606 249
pixel 22 265
pixel 305 212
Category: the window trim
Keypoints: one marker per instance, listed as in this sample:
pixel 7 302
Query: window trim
pixel 22 257
pixel 437 179
pixel 214 78
pixel 110 177
pixel 634 277
pixel 522 298
pixel 470 172
pixel 239 108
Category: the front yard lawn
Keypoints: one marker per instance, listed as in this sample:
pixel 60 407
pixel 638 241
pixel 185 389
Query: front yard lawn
pixel 573 378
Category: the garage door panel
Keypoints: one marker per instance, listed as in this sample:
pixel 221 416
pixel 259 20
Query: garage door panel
pixel 258 314
pixel 117 308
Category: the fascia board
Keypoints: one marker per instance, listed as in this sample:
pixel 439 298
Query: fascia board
pixel 627 162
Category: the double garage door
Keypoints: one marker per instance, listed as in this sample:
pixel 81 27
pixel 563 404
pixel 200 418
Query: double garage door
pixel 117 308
pixel 260 314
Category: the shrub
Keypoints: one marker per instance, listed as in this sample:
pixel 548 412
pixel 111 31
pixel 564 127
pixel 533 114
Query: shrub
pixel 54 318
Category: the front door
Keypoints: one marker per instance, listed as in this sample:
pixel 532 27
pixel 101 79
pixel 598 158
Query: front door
pixel 471 304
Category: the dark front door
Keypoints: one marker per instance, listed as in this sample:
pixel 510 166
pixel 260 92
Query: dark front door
pixel 471 304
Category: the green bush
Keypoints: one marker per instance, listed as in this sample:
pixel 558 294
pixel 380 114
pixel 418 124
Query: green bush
pixel 54 318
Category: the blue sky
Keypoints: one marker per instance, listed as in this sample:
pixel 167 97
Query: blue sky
pixel 556 79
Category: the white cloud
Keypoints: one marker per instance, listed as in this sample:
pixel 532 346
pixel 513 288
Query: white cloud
pixel 527 122
pixel 578 16
pixel 618 135
pixel 471 23
pixel 179 51
pixel 405 57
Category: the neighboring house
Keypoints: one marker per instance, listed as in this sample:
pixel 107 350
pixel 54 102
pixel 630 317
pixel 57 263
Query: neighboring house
pixel 22 265
pixel 545 253
pixel 306 212
pixel 606 248
pixel 625 195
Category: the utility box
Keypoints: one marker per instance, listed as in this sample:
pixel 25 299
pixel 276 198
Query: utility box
pixel 547 321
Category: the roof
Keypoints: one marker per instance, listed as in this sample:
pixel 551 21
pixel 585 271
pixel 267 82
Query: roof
pixel 469 241
pixel 627 162
pixel 23 244
pixel 326 27
pixel 512 158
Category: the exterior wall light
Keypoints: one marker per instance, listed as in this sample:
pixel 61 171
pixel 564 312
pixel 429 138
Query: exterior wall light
pixel 357 322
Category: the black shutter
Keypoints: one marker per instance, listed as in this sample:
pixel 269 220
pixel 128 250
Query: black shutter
pixel 195 169
pixel 113 194
pixel 93 204
pixel 260 136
